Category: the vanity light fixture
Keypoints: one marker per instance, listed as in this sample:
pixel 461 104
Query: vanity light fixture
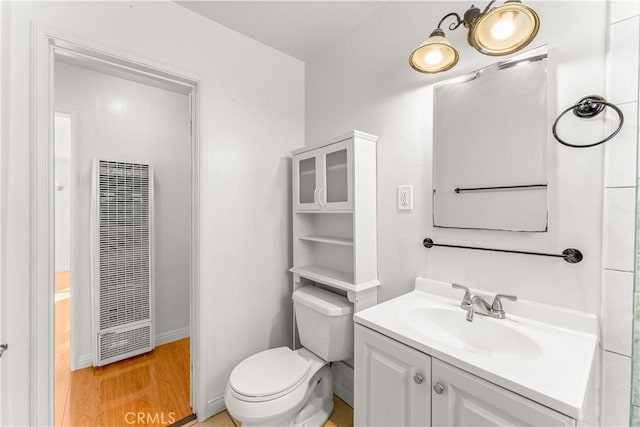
pixel 495 31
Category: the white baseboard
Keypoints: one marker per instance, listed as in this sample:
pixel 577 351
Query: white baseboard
pixel 172 336
pixel 343 381
pixel 84 361
pixel 214 406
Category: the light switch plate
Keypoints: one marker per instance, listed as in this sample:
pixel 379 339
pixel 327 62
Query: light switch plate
pixel 405 197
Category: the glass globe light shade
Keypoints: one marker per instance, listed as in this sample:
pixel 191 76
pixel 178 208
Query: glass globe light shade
pixel 504 29
pixel 434 55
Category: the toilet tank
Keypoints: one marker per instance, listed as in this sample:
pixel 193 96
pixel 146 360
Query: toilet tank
pixel 325 323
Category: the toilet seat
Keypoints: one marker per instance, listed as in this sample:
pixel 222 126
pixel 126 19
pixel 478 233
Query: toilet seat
pixel 282 411
pixel 268 375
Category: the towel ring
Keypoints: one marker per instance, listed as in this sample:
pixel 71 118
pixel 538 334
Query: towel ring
pixel 587 108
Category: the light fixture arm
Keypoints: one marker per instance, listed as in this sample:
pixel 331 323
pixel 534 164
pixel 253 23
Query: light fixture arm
pixel 488 6
pixel 453 25
pixel 470 16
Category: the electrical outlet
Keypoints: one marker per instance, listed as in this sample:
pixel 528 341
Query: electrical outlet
pixel 405 197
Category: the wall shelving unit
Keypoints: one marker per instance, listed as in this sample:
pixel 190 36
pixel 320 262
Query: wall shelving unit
pixel 334 217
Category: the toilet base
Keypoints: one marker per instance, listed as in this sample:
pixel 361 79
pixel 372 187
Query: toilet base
pixel 319 418
pixel 320 404
pixel 315 412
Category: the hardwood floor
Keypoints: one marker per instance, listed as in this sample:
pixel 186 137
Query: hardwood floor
pixel 150 389
pixel 62 281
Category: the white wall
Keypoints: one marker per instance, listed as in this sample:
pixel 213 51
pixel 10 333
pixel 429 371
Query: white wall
pixel 119 119
pixel 620 215
pixel 62 195
pixel 252 115
pixel 365 82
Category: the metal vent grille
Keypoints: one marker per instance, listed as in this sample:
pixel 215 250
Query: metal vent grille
pixel 123 245
pixel 120 345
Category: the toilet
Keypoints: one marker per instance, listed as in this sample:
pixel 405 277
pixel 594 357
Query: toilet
pixel 284 387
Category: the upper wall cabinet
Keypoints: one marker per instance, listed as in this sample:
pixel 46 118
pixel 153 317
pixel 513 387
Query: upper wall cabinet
pixel 323 178
pixel 490 133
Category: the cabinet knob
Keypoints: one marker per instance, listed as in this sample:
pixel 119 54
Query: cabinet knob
pixel 418 379
pixel 438 388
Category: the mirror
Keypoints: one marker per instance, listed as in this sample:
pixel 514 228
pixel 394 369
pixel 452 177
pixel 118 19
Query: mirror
pixel 489 147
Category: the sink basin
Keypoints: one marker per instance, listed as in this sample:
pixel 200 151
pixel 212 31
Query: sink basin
pixel 485 335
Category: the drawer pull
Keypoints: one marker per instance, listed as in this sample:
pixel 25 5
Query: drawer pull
pixel 418 379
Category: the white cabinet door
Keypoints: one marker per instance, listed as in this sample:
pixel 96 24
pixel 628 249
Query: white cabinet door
pixel 323 178
pixel 307 181
pixel 392 382
pixel 466 400
pixel 336 190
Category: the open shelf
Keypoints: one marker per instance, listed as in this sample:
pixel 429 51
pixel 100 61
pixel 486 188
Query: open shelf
pixel 328 276
pixel 346 211
pixel 341 241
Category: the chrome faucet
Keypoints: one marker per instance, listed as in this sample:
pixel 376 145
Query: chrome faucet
pixel 466 300
pixel 477 304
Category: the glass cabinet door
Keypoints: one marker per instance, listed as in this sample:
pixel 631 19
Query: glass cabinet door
pixel 306 182
pixel 336 191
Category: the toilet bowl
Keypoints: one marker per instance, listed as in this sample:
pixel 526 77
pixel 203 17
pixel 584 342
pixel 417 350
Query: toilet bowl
pixel 283 387
pixel 276 395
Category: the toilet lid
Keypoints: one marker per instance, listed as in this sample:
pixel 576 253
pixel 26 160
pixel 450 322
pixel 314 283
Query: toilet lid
pixel 269 372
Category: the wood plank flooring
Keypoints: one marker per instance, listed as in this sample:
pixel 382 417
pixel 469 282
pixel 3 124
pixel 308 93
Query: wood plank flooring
pixel 150 389
pixel 62 281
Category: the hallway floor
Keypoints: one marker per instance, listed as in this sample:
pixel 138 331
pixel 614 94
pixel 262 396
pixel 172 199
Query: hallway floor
pixel 150 389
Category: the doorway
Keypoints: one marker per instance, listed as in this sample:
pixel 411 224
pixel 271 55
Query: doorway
pixel 62 273
pixel 104 110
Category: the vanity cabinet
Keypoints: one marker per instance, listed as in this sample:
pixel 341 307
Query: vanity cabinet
pixel 323 178
pixel 389 393
pixel 392 382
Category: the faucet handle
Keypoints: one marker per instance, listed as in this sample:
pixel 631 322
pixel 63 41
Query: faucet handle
pixel 466 300
pixel 496 306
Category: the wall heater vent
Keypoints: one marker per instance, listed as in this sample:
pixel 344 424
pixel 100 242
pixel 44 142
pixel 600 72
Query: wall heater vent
pixel 122 260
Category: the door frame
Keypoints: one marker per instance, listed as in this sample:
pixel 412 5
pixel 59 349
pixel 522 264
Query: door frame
pixel 45 43
pixel 73 231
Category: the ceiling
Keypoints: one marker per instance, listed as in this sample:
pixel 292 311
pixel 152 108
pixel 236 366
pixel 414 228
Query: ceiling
pixel 298 28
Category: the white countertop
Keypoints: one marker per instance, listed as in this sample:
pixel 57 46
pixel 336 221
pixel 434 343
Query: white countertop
pixel 556 374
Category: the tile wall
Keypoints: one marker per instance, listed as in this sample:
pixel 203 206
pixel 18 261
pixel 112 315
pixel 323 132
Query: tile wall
pixel 620 214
